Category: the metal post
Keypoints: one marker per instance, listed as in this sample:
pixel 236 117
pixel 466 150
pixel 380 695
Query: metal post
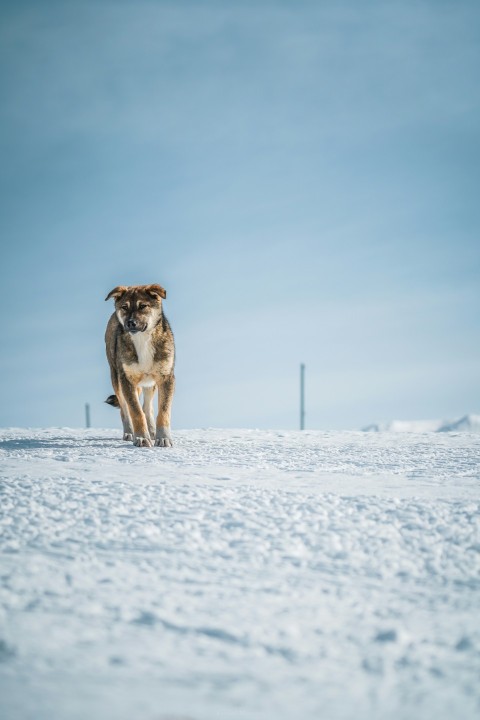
pixel 87 415
pixel 302 397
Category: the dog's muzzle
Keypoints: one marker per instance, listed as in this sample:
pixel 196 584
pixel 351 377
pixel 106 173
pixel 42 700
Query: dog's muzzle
pixel 132 327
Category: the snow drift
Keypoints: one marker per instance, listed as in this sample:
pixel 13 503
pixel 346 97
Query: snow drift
pixel 468 423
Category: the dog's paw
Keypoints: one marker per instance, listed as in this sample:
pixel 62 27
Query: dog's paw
pixel 128 436
pixel 141 441
pixel 163 438
pixel 163 442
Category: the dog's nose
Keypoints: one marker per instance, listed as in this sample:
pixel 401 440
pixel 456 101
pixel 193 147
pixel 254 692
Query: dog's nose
pixel 131 324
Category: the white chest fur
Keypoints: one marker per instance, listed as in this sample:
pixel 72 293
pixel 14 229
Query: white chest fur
pixel 144 349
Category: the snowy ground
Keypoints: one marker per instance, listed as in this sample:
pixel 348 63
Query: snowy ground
pixel 240 574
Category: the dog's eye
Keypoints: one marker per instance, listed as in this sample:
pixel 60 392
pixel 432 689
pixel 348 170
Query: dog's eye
pixel 142 306
pixel 124 307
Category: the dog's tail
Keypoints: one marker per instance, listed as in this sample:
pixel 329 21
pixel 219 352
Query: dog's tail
pixel 112 400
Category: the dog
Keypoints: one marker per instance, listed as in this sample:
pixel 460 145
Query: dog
pixel 141 354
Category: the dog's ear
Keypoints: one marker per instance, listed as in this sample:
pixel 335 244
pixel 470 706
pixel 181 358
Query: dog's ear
pixel 116 292
pixel 156 291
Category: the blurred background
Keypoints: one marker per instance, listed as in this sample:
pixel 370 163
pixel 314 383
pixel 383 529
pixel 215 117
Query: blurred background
pixel 302 177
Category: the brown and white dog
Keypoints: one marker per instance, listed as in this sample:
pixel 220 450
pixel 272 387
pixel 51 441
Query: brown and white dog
pixel 141 354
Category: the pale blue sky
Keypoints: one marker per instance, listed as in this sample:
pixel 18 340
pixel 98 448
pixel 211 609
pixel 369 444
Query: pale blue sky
pixel 302 177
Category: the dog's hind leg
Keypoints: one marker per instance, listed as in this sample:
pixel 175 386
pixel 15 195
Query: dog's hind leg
pixel 148 395
pixel 166 387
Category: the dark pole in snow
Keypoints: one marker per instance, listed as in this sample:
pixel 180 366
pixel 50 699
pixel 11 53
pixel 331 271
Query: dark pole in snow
pixel 302 397
pixel 87 415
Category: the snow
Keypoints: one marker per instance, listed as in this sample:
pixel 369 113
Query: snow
pixel 239 575
pixel 468 423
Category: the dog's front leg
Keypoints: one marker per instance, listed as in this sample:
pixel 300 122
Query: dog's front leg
pixel 166 386
pixel 127 425
pixel 141 436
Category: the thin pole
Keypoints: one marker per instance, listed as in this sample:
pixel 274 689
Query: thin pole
pixel 87 415
pixel 302 397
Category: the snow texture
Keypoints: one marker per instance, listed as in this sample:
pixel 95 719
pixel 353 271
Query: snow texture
pixel 239 575
pixel 467 423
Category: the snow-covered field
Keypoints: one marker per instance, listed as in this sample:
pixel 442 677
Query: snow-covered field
pixel 240 574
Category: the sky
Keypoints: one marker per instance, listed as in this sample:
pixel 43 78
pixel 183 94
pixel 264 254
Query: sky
pixel 302 178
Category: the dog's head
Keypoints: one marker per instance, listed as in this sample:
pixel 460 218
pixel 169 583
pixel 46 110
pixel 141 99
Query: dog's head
pixel 138 307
